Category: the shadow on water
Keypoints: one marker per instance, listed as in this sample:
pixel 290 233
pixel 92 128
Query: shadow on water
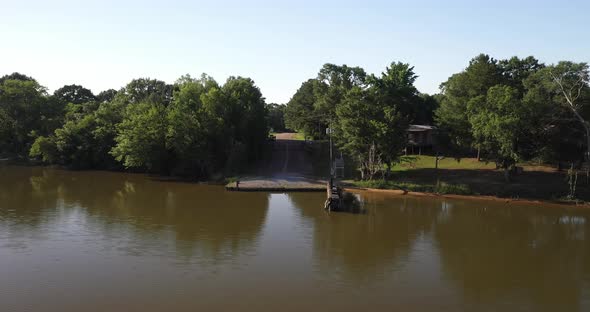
pixel 351 203
pixel 493 251
pixel 467 255
pixel 201 220
pixel 361 247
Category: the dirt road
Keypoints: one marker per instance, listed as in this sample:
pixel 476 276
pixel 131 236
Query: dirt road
pixel 289 158
pixel 287 170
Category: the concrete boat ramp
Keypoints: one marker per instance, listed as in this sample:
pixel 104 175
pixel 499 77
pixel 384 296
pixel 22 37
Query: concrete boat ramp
pixel 278 184
pixel 289 169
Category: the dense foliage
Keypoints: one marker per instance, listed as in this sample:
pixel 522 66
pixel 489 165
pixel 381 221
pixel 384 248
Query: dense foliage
pixel 509 110
pixel 194 127
pixel 516 110
pixel 368 114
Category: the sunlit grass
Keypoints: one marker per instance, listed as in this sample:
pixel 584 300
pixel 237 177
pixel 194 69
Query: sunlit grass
pixel 296 136
pixel 299 136
pixel 428 162
pixel 438 188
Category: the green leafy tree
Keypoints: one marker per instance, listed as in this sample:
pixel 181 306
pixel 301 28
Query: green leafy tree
pixel 396 87
pixel 45 149
pixel 559 134
pixel 75 94
pixel 372 120
pixel 313 107
pixel 276 117
pixel 192 126
pixel 6 130
pixel 107 117
pixel 335 82
pixel 141 138
pixel 516 71
pixel 22 101
pixel 356 129
pixel 106 95
pixel 143 89
pixel 571 80
pixel 300 111
pixel 245 114
pixel 75 143
pixel 52 115
pixel 85 139
pixel 396 103
pixel 499 121
pixel 16 76
pixel 427 106
pixel 452 117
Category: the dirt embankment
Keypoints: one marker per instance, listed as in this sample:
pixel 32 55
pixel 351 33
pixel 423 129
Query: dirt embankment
pixel 555 203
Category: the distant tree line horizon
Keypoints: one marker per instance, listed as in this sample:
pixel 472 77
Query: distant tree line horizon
pixel 511 110
pixel 194 127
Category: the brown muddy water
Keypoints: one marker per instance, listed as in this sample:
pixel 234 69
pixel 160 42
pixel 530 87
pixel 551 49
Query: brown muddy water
pixel 102 241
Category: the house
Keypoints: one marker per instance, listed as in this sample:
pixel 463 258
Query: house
pixel 420 137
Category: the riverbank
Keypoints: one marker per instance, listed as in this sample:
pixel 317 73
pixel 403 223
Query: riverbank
pixel 400 193
pixel 486 184
pixel 277 184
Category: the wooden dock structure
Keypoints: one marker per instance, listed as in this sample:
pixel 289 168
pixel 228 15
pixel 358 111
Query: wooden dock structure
pixel 334 196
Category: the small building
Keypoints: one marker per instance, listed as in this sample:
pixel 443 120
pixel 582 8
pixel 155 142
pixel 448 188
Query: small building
pixel 420 137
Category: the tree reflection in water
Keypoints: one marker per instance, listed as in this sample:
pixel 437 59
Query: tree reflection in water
pixel 363 247
pixel 201 221
pixel 495 251
pixel 469 255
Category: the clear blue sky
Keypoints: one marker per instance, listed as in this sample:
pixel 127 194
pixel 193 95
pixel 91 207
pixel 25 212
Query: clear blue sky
pixel 105 44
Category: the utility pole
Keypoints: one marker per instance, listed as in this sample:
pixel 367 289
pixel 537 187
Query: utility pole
pixel 329 132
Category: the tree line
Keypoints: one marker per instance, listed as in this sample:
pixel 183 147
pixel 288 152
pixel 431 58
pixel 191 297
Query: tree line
pixel 517 110
pixel 510 110
pixel 367 114
pixel 194 127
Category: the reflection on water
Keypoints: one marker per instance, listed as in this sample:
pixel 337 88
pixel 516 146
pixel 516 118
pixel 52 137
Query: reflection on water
pixel 543 255
pixel 95 241
pixel 363 247
pixel 208 222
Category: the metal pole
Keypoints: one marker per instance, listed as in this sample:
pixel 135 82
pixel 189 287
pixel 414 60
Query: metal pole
pixel 330 135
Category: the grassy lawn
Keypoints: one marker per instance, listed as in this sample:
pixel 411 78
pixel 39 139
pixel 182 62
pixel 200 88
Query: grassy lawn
pixel 291 136
pixel 468 176
pixel 437 187
pixel 428 162
pixel 299 136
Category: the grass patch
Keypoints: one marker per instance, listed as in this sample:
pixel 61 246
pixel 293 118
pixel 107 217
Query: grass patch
pixel 428 162
pixel 470 177
pixel 438 188
pixel 299 136
pixel 232 179
pixel 448 188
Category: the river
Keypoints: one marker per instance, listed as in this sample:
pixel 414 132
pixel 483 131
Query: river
pixel 99 241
